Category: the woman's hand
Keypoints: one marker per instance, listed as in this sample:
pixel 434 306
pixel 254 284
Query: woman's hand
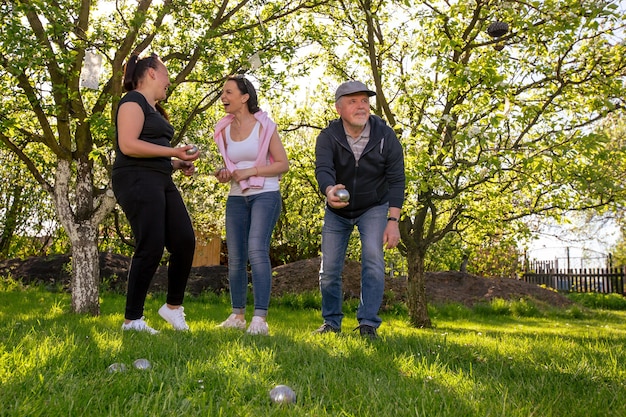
pixel 244 174
pixel 222 175
pixel 188 168
pixel 181 153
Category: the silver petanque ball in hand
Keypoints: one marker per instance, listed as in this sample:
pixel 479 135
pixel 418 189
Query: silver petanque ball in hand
pixel 192 150
pixel 142 364
pixel 282 394
pixel 343 195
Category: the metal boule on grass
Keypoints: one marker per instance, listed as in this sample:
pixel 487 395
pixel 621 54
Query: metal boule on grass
pixel 142 364
pixel 282 394
pixel 116 367
pixel 497 29
pixel 343 195
pixel 192 150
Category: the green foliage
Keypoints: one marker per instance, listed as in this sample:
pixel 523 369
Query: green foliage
pixel 597 300
pixel 525 308
pixel 449 311
pixel 615 128
pixel 618 251
pixel 28 225
pixel 497 307
pixel 575 312
pixel 48 116
pixel 497 257
pixel 302 301
pixel 8 284
pixel 395 309
pixel 492 135
pixel 303 204
pixel 446 255
pixel 514 308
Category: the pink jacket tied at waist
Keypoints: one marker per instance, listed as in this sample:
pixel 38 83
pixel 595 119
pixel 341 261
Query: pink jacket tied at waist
pixel 268 128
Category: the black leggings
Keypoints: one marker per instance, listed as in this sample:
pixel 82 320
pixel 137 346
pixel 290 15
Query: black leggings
pixel 159 219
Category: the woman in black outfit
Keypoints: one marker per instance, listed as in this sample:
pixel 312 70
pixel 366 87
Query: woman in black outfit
pixel 143 186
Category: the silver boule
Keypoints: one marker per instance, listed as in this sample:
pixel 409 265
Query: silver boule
pixel 192 150
pixel 282 394
pixel 343 195
pixel 142 364
pixel 497 29
pixel 116 367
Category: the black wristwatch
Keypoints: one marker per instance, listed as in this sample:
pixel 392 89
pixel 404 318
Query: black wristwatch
pixel 392 219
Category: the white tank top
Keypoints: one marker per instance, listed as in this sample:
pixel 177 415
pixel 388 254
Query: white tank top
pixel 243 153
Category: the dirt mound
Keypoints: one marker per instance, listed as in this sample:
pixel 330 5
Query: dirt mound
pixel 56 269
pixel 441 287
pixel 295 277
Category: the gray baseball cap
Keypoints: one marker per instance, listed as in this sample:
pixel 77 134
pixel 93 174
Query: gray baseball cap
pixel 351 87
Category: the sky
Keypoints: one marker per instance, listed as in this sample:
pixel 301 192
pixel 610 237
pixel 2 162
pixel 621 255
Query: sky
pixel 579 242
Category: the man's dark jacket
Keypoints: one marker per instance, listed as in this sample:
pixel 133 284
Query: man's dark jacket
pixel 376 178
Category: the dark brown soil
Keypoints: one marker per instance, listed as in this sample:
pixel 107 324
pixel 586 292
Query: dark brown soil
pixel 441 287
pixel 296 277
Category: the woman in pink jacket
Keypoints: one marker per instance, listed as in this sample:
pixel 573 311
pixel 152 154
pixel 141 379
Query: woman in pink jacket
pixel 254 160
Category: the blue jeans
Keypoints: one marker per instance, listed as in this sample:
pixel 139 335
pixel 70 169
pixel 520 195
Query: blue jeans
pixel 250 222
pixel 335 237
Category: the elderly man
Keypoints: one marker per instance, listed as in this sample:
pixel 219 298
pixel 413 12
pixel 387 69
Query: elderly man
pixel 360 153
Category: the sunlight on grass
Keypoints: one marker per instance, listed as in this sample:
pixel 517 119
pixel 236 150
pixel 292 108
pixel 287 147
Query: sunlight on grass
pixel 107 342
pixel 493 361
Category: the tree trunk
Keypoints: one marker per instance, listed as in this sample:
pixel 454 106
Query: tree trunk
pixel 81 222
pixel 10 222
pixel 416 288
pixel 85 270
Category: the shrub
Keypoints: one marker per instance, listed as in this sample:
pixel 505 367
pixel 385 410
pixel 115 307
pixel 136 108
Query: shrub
pixel 596 300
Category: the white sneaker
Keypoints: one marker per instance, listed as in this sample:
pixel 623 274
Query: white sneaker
pixel 259 326
pixel 174 316
pixel 139 325
pixel 232 322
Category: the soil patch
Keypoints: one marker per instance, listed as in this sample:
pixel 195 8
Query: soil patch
pixel 296 277
pixel 441 287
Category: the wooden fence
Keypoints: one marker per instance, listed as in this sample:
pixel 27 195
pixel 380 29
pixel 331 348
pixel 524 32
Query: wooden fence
pixel 600 280
pixel 208 249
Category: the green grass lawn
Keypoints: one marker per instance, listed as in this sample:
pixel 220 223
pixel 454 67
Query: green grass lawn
pixel 503 359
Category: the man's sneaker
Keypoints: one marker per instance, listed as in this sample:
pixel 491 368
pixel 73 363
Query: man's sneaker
pixel 139 325
pixel 327 328
pixel 368 331
pixel 174 316
pixel 232 322
pixel 258 326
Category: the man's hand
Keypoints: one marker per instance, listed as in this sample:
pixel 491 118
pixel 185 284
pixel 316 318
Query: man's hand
pixel 391 237
pixel 331 198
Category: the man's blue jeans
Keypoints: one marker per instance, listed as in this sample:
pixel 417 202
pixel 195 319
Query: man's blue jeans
pixel 336 233
pixel 250 222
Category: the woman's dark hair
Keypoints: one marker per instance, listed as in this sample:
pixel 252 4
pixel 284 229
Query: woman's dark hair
pixel 135 69
pixel 246 87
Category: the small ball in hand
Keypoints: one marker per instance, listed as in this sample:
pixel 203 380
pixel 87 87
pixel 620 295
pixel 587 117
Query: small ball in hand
pixel 343 195
pixel 192 150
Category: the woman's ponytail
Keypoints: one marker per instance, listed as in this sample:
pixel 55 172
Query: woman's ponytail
pixel 130 82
